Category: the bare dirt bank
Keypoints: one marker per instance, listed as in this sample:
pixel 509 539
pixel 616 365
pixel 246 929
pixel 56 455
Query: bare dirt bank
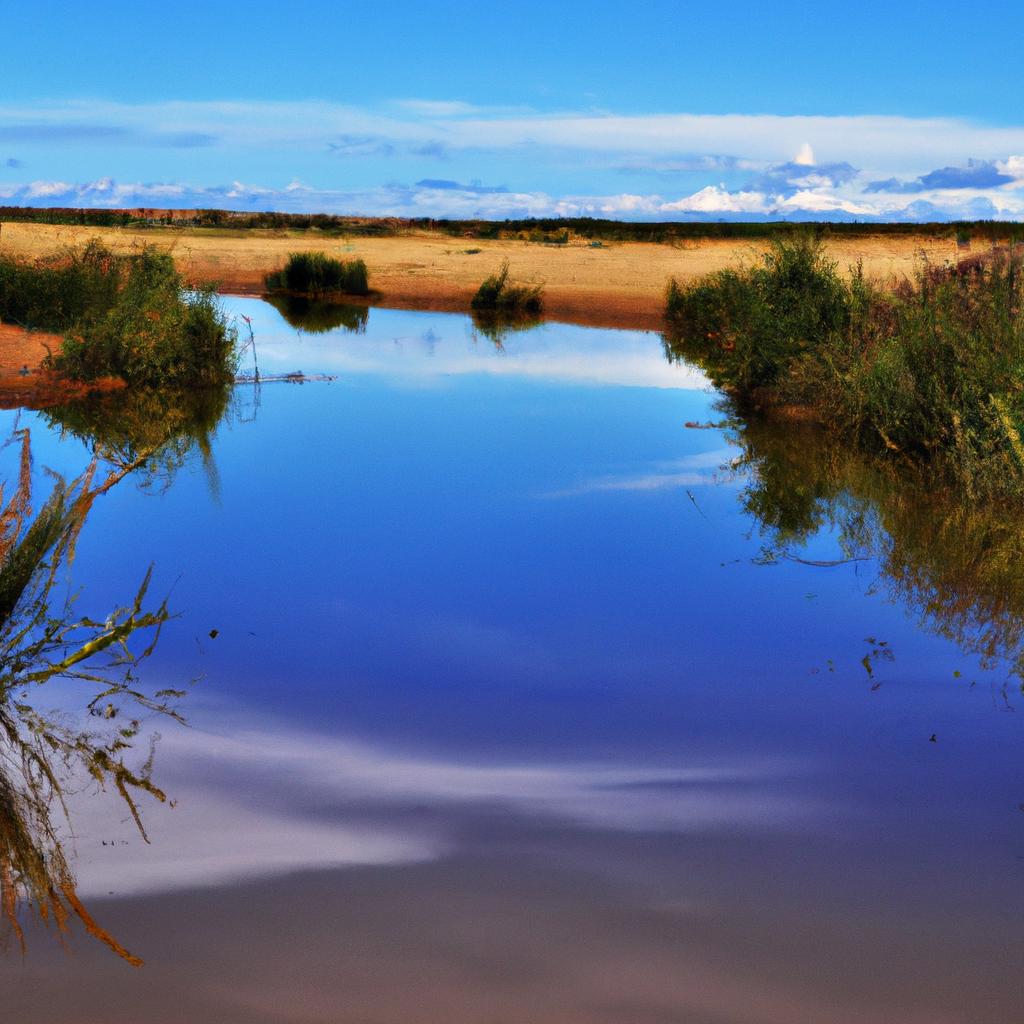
pixel 23 384
pixel 615 284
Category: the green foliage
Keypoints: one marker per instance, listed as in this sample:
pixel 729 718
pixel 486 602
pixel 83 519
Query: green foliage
pixel 125 316
pixel 315 316
pixel 316 273
pixel 749 325
pixel 932 372
pixel 497 296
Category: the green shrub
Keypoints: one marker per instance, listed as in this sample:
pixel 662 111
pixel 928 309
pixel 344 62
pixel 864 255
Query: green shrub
pixel 125 316
pixel 929 373
pixel 749 325
pixel 497 296
pixel 316 273
pixel 156 333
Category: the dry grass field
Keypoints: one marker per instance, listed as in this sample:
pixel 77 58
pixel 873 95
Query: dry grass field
pixel 617 284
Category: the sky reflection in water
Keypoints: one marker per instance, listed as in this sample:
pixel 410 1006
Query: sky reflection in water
pixel 493 642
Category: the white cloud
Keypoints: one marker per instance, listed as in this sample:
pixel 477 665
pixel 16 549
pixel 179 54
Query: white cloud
pixel 717 199
pixel 1014 167
pixel 699 470
pixel 438 108
pixel 816 201
pixel 821 199
pixel 805 157
pixel 887 145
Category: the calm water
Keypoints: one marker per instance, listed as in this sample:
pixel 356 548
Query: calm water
pixel 528 703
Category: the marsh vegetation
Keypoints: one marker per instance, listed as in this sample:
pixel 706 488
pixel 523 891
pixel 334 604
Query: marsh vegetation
pixel 928 373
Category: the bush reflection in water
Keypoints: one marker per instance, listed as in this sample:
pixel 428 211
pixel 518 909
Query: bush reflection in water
pixel 953 563
pixel 43 638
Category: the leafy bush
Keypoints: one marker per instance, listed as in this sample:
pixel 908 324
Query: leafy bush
pixel 155 334
pixel 749 325
pixel 496 295
pixel 316 273
pixel 126 316
pixel 931 372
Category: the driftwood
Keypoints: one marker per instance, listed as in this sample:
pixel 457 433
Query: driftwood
pixel 285 378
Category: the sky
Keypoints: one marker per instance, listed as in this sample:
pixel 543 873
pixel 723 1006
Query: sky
pixel 663 111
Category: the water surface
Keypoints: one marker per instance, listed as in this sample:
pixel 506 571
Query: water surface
pixel 529 703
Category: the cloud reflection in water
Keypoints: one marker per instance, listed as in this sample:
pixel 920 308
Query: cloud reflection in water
pixel 313 801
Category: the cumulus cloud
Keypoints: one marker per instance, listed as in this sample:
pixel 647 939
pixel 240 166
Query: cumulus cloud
pixel 805 157
pixel 717 199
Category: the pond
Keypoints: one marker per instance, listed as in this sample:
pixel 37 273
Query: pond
pixel 512 697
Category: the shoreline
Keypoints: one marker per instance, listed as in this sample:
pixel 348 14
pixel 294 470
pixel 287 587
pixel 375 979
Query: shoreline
pixel 617 285
pixel 611 283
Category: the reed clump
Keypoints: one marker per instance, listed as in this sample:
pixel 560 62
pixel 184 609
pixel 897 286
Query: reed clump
pixel 316 274
pixel 930 371
pixel 498 297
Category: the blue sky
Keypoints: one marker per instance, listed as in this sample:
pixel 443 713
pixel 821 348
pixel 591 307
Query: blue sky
pixel 665 111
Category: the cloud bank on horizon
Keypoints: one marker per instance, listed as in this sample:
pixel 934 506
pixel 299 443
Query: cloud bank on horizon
pixel 449 158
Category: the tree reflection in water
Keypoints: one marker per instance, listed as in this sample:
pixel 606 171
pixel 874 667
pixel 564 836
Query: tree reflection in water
pixel 954 562
pixel 43 638
pixel 317 316
pixel 497 328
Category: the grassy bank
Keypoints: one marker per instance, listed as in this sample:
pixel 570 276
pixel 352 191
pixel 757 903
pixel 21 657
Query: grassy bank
pixel 124 316
pixel 315 274
pixel 930 371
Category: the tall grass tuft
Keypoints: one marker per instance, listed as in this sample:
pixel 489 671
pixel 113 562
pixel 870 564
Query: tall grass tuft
pixel 316 274
pixel 929 372
pixel 497 296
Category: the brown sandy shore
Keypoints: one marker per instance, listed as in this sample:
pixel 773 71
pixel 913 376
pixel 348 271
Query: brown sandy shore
pixel 619 284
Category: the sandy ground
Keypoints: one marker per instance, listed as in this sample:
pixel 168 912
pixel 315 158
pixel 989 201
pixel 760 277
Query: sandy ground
pixel 616 285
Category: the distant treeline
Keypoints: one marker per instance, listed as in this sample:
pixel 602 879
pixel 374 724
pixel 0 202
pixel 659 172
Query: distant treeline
pixel 553 230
